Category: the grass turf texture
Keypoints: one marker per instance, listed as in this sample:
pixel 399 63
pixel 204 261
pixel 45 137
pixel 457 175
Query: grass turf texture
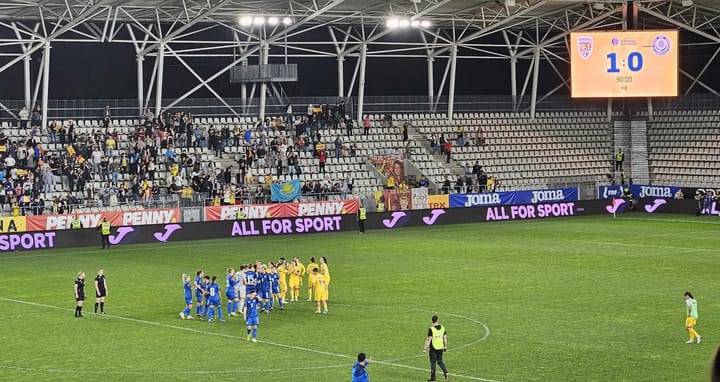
pixel 578 299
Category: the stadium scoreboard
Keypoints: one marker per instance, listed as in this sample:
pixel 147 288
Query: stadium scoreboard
pixel 612 64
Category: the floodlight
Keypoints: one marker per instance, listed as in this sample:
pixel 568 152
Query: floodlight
pixel 392 23
pixel 425 24
pixel 287 21
pixel 258 20
pixel 273 20
pixel 404 23
pixel 245 21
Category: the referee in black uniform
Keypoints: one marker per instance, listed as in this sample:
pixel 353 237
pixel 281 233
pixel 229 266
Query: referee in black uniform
pixel 79 293
pixel 100 291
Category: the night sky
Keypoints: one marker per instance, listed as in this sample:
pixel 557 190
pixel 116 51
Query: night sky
pixel 91 71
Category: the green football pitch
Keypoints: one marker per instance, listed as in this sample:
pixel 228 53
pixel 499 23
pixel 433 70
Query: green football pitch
pixel 577 299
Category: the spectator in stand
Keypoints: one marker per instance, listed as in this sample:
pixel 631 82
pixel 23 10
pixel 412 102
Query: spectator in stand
pixel 106 117
pixel 459 185
pixel 96 158
pixel 110 144
pixel 366 125
pixel 322 157
pixel 448 150
pixel 460 136
pixel 348 125
pixel 36 117
pixel 338 146
pixel 441 143
pixel 479 138
pixel 387 121
pixel 491 184
pixel 114 169
pixel 310 111
pixel 423 182
pixel 48 180
pixel 476 169
pixel 482 180
pixel 24 116
pixel 446 185
pixel 170 155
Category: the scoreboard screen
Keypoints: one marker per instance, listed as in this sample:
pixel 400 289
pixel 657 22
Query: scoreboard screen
pixel 624 64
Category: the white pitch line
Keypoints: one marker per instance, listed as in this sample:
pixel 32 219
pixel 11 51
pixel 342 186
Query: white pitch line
pixel 179 372
pixel 238 337
pixel 614 243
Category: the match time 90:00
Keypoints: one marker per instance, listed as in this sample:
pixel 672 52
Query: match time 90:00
pixel 623 79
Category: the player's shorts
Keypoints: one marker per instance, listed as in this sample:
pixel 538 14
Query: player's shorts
pixel 295 282
pixel 230 294
pixel 80 297
pixel 275 289
pixel 252 321
pixel 320 294
pixel 690 321
pixel 188 300
pixel 250 289
pixel 264 294
pixel 101 294
pixel 199 298
pixel 214 301
pixel 241 292
pixel 283 287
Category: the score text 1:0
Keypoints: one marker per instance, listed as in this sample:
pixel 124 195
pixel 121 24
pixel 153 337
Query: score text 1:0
pixel 634 60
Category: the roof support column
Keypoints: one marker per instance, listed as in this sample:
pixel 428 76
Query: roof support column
pixel 341 76
pixel 46 82
pixel 536 73
pixel 513 82
pixel 140 85
pixel 451 88
pixel 26 82
pixel 361 85
pixel 264 50
pixel 159 79
pixel 431 82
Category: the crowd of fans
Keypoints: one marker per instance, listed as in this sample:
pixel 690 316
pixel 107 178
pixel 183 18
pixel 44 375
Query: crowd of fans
pixel 165 154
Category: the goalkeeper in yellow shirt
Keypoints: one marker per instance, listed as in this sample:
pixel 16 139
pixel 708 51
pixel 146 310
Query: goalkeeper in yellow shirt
pixel 311 277
pixel 320 292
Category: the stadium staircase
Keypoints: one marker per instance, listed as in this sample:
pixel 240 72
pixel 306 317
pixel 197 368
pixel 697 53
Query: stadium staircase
pixel 639 152
pixel 622 140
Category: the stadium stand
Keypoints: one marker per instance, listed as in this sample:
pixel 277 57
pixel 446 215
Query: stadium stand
pixel 554 149
pixel 683 148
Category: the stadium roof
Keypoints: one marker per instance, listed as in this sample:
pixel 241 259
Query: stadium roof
pixel 445 30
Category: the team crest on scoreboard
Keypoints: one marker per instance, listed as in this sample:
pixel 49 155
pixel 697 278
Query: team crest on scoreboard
pixel 661 45
pixel 585 46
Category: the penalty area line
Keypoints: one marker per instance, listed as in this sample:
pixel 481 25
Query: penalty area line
pixel 276 344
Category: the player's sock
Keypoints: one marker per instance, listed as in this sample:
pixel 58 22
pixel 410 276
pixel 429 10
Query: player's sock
pixel 102 307
pixel 236 305
pixel 186 311
pixel 249 331
pixel 220 312
pixel 77 311
pixel 96 306
pixel 693 334
pixel 211 312
pixel 254 333
pixel 229 306
pixel 80 312
pixel 324 305
pixel 280 302
pixel 197 309
pixel 272 302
